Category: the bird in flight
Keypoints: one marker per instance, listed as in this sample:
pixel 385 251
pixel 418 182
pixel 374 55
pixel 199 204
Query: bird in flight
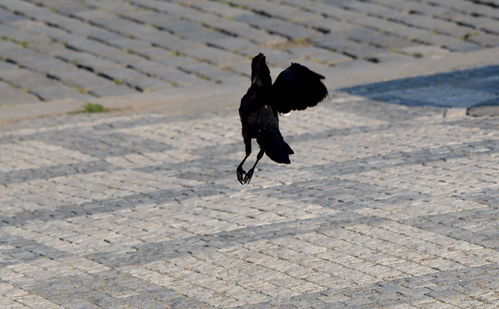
pixel 296 88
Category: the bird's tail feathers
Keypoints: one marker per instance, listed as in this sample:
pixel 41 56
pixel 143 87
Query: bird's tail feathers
pixel 275 147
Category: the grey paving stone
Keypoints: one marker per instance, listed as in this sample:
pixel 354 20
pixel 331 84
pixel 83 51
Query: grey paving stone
pixel 128 43
pixel 462 46
pixel 364 51
pixel 492 28
pixel 4 85
pixel 424 51
pixel 57 92
pixel 92 14
pixel 371 9
pixel 93 32
pixel 412 33
pixel 124 26
pixel 30 79
pixel 169 41
pixel 274 57
pixel 5 45
pixel 13 33
pixel 485 39
pixel 112 90
pixel 72 8
pixel 205 36
pixel 83 79
pixel 19 55
pixel 388 41
pixel 148 84
pixel 224 9
pixel 50 66
pixel 122 75
pixel 391 57
pixel 419 7
pixel 289 30
pixel 246 31
pixel 152 53
pixel 207 71
pixel 359 34
pixel 231 43
pixel 149 17
pixel 353 64
pixel 319 54
pixel 15 95
pixel 174 76
pixel 214 55
pixel 184 27
pixel 334 43
pixel 436 40
pixel 174 61
pixel 8 17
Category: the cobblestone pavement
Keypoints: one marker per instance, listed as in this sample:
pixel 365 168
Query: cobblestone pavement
pixel 384 205
pixel 53 49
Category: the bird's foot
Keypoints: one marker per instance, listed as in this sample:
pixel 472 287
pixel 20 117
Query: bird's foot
pixel 241 175
pixel 248 176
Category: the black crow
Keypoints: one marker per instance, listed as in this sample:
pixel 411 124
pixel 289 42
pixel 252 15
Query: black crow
pixel 296 88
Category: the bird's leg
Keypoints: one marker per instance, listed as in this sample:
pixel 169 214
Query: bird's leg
pixel 241 174
pixel 249 174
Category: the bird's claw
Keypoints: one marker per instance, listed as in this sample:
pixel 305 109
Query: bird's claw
pixel 241 175
pixel 248 176
pixel 244 177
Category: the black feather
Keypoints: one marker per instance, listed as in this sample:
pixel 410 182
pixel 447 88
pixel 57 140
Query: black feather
pixel 272 142
pixel 297 88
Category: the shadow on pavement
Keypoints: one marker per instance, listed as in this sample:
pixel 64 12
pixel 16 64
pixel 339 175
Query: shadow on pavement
pixel 462 89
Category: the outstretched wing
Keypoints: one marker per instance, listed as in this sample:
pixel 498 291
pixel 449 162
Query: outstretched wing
pixel 297 88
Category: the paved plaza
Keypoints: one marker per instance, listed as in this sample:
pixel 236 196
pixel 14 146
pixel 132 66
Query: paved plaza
pixel 384 205
pixel 83 49
pixel 391 199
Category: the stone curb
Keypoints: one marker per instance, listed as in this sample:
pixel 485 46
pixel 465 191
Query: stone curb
pixel 481 110
pixel 347 77
pixel 24 111
pixel 198 99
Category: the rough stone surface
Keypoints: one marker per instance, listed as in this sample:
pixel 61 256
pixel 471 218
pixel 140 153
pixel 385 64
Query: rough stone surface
pixel 69 47
pixel 384 205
